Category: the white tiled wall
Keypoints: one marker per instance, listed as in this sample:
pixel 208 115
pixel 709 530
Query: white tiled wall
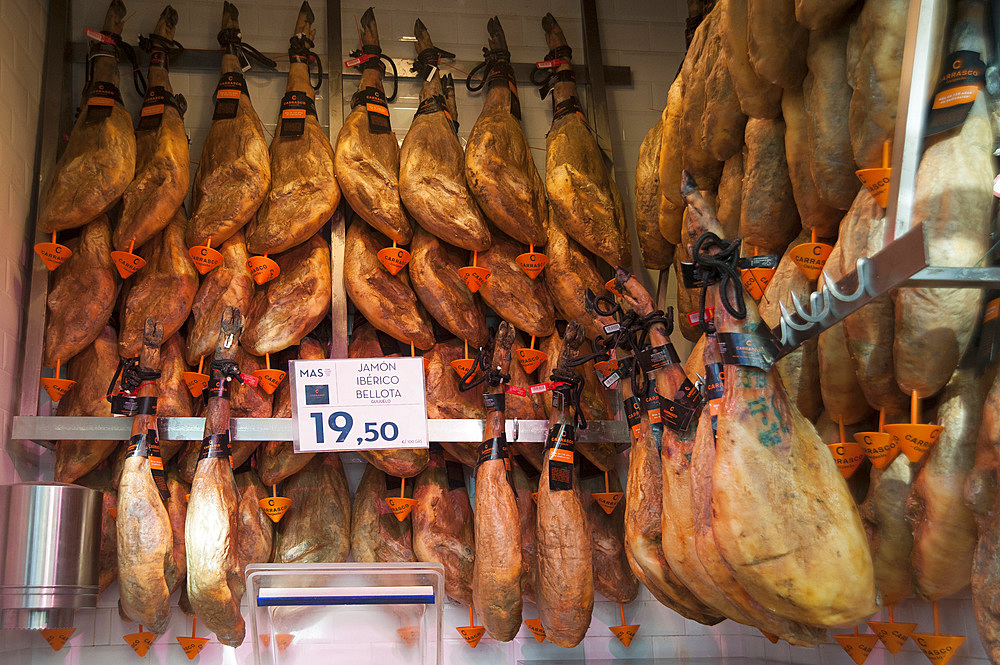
pixel 22 37
pixel 646 35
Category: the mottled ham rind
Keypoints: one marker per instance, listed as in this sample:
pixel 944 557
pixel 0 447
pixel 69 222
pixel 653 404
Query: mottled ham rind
pixel 367 163
pixel 613 577
pixel 874 64
pixel 954 202
pixel 317 526
pixel 162 164
pixel 443 531
pixel 234 172
pixel 758 97
pixel 523 302
pixel 944 529
pixel 981 497
pixel 289 306
pixel 889 532
pixel 433 271
pixel 92 369
pixel 164 289
pixel 657 251
pixel 376 535
pixel 386 300
pixel 497 573
pixel 870 330
pixel 303 193
pixel 72 322
pixel 99 160
pixel 499 168
pixel 779 471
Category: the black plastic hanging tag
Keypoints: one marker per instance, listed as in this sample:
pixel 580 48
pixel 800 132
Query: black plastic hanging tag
pixel 232 86
pixel 101 100
pixel 956 92
pixel 633 415
pixel 377 108
pixel 748 349
pixel 295 106
pixel 148 445
pixel 215 446
pixel 559 447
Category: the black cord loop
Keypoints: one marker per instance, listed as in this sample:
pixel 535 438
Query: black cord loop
pixel 229 369
pixel 231 40
pixel 155 42
pixel 492 59
pixel 572 392
pixel 118 48
pixel 300 46
pixel 427 59
pixel 720 267
pixel 377 62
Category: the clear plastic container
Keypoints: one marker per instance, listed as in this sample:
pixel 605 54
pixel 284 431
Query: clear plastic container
pixel 384 614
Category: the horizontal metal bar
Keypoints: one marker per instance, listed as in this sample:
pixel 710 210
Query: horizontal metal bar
pixel 956 278
pixel 72 428
pixel 211 61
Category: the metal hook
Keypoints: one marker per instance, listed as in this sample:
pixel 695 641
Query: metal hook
pixel 831 286
pixel 786 318
pixel 229 341
pixel 815 298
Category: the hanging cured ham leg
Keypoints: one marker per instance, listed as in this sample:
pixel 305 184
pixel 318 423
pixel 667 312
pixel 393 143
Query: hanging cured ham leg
pixel 499 169
pixel 304 191
pixel 954 201
pixel 367 156
pixel 99 160
pixel 215 584
pixel 443 530
pixel 583 196
pixel 146 567
pixel 982 497
pixel 687 459
pixel 74 322
pixel 496 577
pixel 163 168
pixel 565 585
pixel 770 463
pixel 432 162
pixel 235 171
pixel 643 521
pixel 702 465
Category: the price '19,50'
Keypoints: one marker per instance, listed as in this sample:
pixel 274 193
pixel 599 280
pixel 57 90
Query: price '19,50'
pixel 341 423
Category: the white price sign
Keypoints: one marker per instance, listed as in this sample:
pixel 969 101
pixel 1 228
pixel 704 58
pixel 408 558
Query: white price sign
pixel 358 404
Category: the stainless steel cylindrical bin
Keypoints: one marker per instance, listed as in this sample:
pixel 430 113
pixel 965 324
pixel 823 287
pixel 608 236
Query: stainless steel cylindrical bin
pixel 51 536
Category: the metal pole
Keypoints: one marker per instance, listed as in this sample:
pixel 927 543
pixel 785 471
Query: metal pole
pixel 925 28
pixel 338 308
pixel 33 326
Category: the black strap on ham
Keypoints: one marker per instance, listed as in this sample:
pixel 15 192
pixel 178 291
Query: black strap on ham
pixel 161 50
pixel 719 267
pixel 374 60
pixel 231 41
pixel 490 375
pixel 300 49
pixel 428 59
pixel 496 63
pixel 117 48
